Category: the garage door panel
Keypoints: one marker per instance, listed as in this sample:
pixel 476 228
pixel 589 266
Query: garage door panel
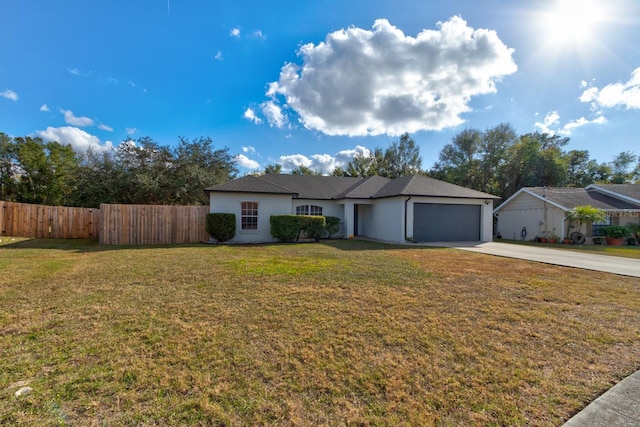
pixel 445 223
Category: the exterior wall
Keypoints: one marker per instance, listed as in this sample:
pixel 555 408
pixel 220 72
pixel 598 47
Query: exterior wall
pixel 384 220
pixel 534 215
pixel 268 204
pixel 486 213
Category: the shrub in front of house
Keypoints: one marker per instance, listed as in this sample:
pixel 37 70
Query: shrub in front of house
pixel 221 226
pixel 312 226
pixel 332 225
pixel 285 228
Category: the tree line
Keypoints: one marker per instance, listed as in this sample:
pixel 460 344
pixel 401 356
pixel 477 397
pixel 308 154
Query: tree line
pixel 496 161
pixel 134 172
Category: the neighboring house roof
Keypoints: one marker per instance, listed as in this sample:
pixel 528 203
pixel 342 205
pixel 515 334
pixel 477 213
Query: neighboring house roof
pixel 628 192
pixel 334 187
pixel 569 198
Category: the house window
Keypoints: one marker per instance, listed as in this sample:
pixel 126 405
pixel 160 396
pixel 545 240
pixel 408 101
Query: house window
pixel 598 226
pixel 249 216
pixel 309 210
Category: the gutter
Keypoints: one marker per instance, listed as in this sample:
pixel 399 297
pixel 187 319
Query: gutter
pixel 406 203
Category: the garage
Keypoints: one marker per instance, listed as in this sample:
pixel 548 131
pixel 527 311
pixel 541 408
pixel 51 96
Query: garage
pixel 446 223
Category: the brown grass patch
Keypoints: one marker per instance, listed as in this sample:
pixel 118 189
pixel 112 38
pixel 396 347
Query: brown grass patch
pixel 343 332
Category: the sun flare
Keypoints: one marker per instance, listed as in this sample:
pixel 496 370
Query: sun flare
pixel 573 21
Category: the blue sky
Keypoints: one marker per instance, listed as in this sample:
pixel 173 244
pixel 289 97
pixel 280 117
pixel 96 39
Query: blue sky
pixel 314 82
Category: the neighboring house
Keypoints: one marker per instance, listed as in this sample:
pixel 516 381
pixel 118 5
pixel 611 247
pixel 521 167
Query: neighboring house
pixel 534 211
pixel 415 207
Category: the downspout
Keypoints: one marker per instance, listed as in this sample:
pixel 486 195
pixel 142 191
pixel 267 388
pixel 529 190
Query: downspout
pixel 406 203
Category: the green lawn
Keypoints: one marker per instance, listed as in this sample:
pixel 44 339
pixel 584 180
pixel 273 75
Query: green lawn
pixel 331 333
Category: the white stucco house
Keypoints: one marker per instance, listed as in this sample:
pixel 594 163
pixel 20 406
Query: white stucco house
pixel 412 208
pixel 534 211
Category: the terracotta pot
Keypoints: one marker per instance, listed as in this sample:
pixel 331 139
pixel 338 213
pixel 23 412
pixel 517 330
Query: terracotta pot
pixel 615 241
pixel 543 240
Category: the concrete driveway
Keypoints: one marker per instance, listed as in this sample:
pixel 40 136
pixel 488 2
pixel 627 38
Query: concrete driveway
pixel 605 263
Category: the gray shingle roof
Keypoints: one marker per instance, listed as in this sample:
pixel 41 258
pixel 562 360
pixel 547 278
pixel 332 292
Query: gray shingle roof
pixel 421 185
pixel 334 187
pixel 250 184
pixel 572 197
pixel 629 190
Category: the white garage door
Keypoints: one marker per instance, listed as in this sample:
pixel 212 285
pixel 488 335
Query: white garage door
pixel 446 223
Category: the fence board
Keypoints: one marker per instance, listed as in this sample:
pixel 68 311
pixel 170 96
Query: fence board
pixel 152 224
pixel 56 222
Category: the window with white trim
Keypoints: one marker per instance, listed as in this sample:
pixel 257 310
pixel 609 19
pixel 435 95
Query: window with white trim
pixel 249 216
pixel 309 210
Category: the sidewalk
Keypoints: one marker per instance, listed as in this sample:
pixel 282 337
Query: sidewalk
pixel 618 407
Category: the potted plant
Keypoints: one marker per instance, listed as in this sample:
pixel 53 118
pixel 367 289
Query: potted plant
pixel 615 234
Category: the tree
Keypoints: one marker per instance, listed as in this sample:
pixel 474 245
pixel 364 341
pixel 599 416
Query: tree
pixel 536 160
pixel 459 161
pixel 402 158
pixel 44 172
pixel 304 170
pixel 195 166
pixel 275 168
pixel 621 167
pixel 7 168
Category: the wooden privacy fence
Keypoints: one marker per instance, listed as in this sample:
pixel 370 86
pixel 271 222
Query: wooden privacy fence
pixel 151 224
pixel 111 224
pixel 48 222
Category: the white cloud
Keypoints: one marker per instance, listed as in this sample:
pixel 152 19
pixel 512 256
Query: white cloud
pixel 551 124
pixel 322 163
pixel 380 81
pixel 218 55
pixel 74 71
pixel 568 128
pixel 9 94
pixel 294 161
pixel 80 140
pixel 259 34
pixel 235 32
pixel 250 115
pixel 105 127
pixel 625 95
pixel 249 149
pixel 70 119
pixel 273 112
pixel 551 119
pixel 44 108
pixel 246 162
pixel 131 131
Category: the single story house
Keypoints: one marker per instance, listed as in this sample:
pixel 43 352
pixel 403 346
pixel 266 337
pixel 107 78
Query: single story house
pixel 534 211
pixel 412 208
